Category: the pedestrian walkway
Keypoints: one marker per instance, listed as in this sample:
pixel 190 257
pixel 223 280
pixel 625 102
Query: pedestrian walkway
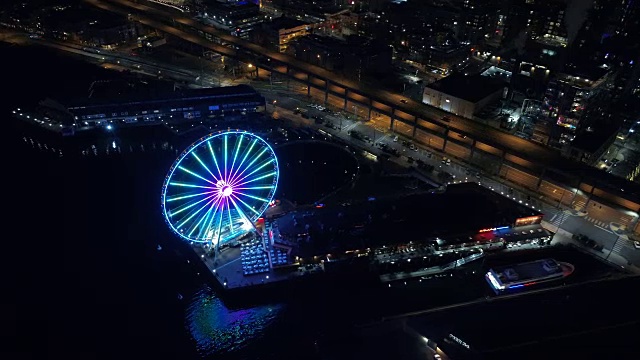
pixel 579 204
pixel 619 245
pixel 563 237
pixel 555 213
pixel 559 218
pixel 597 222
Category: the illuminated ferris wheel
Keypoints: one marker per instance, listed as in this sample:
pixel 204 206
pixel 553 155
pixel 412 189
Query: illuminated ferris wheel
pixel 219 187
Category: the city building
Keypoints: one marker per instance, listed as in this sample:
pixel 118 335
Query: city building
pixel 440 50
pixel 308 11
pixel 569 94
pixel 479 17
pixel 238 18
pixel 277 33
pixel 356 56
pixel 89 27
pixel 591 143
pixel 154 106
pixel 542 19
pixel 345 23
pixel 152 41
pixel 464 95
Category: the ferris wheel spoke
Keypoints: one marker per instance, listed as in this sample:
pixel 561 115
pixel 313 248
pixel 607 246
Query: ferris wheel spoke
pixel 193 213
pixel 213 156
pixel 189 205
pixel 204 166
pixel 173 183
pixel 256 179
pixel 252 196
pixel 226 200
pixel 211 199
pixel 253 188
pixel 235 155
pixel 252 172
pixel 203 220
pixel 245 204
pixel 220 226
pixel 239 210
pixel 203 231
pixel 196 175
pixel 225 157
pixel 255 158
pixel 246 154
pixel 181 197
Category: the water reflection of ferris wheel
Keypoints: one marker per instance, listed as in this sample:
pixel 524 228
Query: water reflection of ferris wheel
pixel 219 186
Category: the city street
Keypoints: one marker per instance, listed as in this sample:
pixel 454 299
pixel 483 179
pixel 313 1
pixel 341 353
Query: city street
pixel 290 95
pixel 553 216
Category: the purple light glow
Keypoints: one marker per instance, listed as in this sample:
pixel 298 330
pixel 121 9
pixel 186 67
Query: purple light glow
pixel 218 183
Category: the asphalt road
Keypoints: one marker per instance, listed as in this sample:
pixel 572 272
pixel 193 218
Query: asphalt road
pixel 481 132
pixel 572 224
pixel 288 100
pixel 607 238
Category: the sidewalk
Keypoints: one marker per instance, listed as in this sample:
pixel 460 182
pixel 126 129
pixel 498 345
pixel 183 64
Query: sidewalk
pixel 563 237
pixel 551 209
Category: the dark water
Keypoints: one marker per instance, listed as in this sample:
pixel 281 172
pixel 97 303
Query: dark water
pixel 82 276
pixel 85 277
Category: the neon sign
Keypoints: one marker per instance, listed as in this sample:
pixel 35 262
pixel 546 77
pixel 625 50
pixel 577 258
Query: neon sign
pixel 493 229
pixel 529 220
pixel 459 341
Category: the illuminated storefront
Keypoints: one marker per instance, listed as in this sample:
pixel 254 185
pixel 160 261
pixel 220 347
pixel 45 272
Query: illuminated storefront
pixel 529 220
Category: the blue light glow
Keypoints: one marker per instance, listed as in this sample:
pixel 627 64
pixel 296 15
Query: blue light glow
pixel 220 182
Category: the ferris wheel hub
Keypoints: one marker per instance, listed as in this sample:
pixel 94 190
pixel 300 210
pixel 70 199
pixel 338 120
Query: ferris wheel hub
pixel 226 191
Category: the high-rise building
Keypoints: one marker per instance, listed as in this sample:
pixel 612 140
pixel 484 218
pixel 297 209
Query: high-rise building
pixel 478 18
pixel 538 19
pixel 569 95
